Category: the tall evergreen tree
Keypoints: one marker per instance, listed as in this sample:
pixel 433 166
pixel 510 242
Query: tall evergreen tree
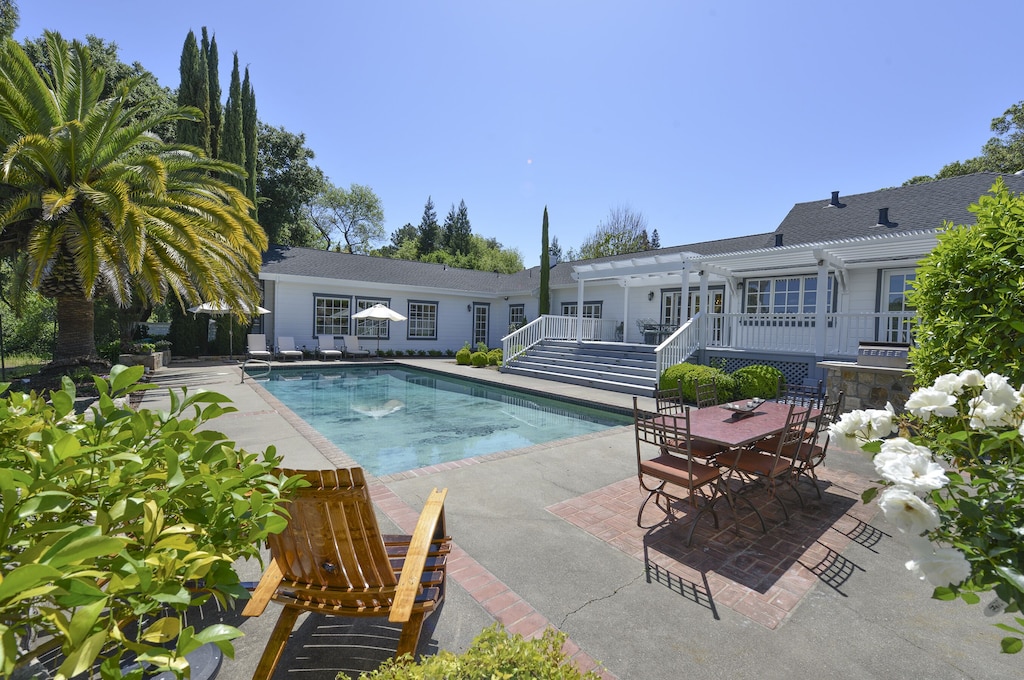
pixel 213 79
pixel 448 232
pixel 655 240
pixel 8 18
pixel 249 135
pixel 462 232
pixel 193 91
pixel 429 229
pixel 233 140
pixel 545 267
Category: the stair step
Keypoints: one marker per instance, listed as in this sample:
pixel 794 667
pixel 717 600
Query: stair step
pixel 610 385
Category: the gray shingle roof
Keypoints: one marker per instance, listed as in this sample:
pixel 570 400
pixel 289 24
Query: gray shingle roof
pixel 911 208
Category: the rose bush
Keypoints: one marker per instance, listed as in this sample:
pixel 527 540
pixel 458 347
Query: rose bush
pixel 953 485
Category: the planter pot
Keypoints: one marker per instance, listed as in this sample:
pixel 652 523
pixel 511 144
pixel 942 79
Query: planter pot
pixel 151 361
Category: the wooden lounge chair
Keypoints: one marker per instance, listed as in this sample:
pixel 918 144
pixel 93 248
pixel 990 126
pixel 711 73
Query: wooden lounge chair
pixel 352 348
pixel 333 560
pixel 286 348
pixel 257 347
pixel 326 349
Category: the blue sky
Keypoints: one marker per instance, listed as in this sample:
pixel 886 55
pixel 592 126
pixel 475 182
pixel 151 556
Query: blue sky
pixel 710 118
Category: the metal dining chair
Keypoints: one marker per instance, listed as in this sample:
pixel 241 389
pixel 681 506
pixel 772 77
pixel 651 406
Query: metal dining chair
pixel 705 393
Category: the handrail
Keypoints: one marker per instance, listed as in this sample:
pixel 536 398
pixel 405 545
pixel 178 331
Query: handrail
pixel 245 365
pixel 679 346
pixel 517 342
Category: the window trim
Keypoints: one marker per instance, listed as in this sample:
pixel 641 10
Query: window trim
pixel 358 322
pixel 413 319
pixel 342 329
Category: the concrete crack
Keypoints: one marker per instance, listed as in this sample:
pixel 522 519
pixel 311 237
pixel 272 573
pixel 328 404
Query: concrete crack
pixel 598 599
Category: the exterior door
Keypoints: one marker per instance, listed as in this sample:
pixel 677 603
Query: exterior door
pixel 481 315
pixel 672 308
pixel 897 283
pixel 717 307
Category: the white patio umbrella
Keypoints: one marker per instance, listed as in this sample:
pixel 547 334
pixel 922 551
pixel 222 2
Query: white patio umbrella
pixel 379 312
pixel 220 308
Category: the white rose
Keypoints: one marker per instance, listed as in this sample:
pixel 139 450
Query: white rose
pixel 972 378
pixel 998 391
pixel 910 466
pixel 986 414
pixel 929 400
pixel 950 383
pixel 943 567
pixel 907 512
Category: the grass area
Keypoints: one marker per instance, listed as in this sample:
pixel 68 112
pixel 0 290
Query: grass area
pixel 21 365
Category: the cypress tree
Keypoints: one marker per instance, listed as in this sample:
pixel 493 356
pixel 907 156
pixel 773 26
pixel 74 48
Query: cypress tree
pixel 463 231
pixel 429 230
pixel 249 134
pixel 545 267
pixel 213 82
pixel 232 140
pixel 193 91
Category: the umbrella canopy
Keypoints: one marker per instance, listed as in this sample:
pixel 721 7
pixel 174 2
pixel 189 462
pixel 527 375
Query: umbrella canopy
pixel 379 312
pixel 220 308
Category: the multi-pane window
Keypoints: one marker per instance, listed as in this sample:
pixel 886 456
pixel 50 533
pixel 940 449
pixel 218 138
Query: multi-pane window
pixel 516 316
pixel 331 315
pixel 898 282
pixel 371 328
pixel 791 295
pixel 591 310
pixel 422 321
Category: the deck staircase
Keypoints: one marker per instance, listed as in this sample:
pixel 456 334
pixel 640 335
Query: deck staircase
pixel 614 366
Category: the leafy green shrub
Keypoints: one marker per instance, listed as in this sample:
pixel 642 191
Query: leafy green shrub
pixel 449 352
pixel 110 351
pixel 968 295
pixel 142 348
pixel 410 352
pixel 757 380
pixel 689 372
pixel 124 515
pixel 462 357
pixel 162 345
pixel 478 359
pixel 434 352
pixel 421 353
pixel 482 347
pixel 494 357
pixel 494 654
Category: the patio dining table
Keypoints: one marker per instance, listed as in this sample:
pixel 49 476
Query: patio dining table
pixel 721 426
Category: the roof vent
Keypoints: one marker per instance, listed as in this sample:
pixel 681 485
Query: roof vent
pixel 834 202
pixel 778 240
pixel 883 219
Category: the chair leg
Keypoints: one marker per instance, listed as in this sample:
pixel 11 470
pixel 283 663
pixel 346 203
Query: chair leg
pixel 410 636
pixel 278 639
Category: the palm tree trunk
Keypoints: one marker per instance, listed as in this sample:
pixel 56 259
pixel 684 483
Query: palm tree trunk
pixel 75 329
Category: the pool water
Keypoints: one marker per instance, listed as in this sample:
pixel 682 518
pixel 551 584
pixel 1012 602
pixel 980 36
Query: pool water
pixel 392 419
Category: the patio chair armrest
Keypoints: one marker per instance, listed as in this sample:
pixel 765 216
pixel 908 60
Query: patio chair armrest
pixel 264 590
pixel 416 558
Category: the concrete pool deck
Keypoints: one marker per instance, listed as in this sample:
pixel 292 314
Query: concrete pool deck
pixel 547 536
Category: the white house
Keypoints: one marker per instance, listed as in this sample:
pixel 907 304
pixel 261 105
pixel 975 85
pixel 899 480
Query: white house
pixel 831 275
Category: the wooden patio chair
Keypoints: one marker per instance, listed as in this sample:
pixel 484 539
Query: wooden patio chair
pixel 705 393
pixel 675 464
pixel 333 560
pixel 771 469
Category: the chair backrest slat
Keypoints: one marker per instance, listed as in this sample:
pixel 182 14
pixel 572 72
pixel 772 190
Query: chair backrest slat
pixel 332 536
pixel 705 393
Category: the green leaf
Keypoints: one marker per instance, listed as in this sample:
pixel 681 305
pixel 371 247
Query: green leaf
pixel 1011 645
pixel 869 494
pixel 1012 576
pixel 77 547
pixel 943 593
pixel 123 377
pixel 27 576
pixel 162 630
pixel 83 620
pixel 970 598
pixel 83 658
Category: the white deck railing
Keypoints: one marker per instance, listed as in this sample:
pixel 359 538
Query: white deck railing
pixel 797 333
pixel 678 347
pixel 551 327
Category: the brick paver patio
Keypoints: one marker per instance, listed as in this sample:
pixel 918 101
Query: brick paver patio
pixel 761 576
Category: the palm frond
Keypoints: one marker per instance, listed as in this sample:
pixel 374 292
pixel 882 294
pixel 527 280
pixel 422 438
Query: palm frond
pixel 56 203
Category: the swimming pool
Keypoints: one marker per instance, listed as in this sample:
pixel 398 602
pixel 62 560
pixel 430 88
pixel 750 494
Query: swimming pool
pixel 394 418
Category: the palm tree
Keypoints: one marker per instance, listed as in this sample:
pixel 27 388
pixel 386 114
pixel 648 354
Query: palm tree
pixel 101 206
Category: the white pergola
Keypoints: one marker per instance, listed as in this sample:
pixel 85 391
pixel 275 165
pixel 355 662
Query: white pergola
pixel 900 249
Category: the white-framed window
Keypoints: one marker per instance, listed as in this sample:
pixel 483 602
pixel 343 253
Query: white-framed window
pixel 422 323
pixel 896 283
pixel 372 328
pixel 789 295
pixel 516 316
pixel 331 315
pixel 591 310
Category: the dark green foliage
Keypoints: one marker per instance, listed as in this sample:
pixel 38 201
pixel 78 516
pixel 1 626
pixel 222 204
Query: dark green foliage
pixel 31 333
pixel 249 134
pixel 287 180
pixel 545 267
pixel 494 654
pixel 188 332
pixel 194 90
pixel 690 372
pixel 969 295
pixel 429 231
pixel 757 380
pixel 233 137
pixel 209 49
pixel 457 232
pixel 8 18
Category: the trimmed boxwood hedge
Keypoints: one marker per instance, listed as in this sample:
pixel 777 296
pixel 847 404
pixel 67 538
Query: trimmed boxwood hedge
pixel 757 380
pixel 687 373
